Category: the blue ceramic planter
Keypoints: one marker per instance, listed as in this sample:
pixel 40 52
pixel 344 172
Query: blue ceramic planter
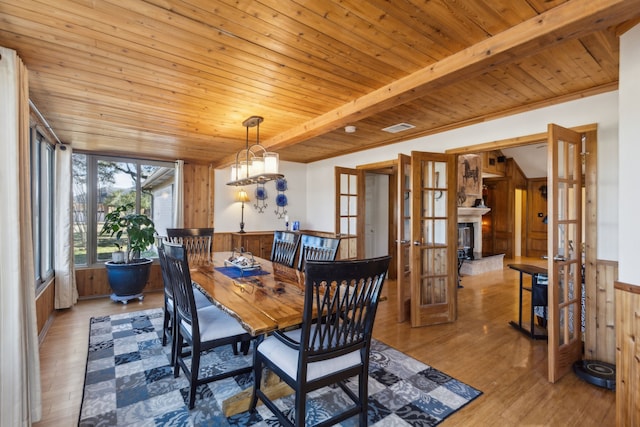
pixel 128 279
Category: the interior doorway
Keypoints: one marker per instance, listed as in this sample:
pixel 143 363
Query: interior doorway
pixel 520 199
pixel 380 211
pixel 376 215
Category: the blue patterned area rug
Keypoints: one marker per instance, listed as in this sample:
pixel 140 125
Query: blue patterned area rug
pixel 129 382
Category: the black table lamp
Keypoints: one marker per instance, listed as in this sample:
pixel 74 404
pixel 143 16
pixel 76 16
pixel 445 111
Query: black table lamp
pixel 242 197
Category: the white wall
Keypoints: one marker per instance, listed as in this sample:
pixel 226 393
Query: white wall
pixel 601 109
pixel 227 210
pixel 629 156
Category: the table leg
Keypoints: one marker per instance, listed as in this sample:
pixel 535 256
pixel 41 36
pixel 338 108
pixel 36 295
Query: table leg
pixel 534 280
pixel 520 303
pixel 519 325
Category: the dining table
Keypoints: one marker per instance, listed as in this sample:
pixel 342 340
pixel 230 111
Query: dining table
pixel 264 297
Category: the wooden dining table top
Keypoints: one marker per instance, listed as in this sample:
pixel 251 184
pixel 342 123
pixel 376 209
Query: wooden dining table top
pixel 262 303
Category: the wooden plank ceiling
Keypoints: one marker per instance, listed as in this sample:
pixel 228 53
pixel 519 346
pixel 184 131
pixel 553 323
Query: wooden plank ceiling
pixel 172 79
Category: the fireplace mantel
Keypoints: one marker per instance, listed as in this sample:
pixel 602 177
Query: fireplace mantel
pixel 471 212
pixel 474 215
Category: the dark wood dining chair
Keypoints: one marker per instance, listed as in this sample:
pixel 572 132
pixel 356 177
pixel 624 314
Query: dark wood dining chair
pixel 285 246
pixel 333 342
pixel 200 329
pixel 317 248
pixel 197 241
pixel 169 304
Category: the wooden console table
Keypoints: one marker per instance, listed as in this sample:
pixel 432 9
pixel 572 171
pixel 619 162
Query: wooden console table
pixel 538 297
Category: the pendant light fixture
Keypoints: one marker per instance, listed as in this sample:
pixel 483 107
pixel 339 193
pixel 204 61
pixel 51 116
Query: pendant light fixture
pixel 254 164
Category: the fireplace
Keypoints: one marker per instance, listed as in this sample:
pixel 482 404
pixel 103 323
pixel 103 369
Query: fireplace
pixel 465 240
pixel 470 231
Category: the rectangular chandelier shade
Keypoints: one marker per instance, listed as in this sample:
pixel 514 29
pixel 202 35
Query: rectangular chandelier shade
pixel 254 164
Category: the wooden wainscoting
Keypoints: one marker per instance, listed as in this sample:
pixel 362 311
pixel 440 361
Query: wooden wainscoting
pixel 627 299
pixel 92 282
pixel 45 308
pixel 600 317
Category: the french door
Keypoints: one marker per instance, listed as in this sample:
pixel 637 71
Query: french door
pixel 433 253
pixel 349 191
pixel 564 248
pixel 403 244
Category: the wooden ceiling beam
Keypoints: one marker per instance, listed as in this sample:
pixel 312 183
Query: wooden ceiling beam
pixel 566 21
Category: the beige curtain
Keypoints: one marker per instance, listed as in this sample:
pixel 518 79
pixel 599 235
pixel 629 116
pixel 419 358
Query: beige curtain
pixel 178 195
pixel 20 393
pixel 66 293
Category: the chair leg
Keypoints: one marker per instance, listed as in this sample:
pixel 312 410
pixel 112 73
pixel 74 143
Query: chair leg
pixel 363 398
pixel 175 355
pixel 244 347
pixel 165 327
pixel 301 408
pixel 174 341
pixel 257 377
pixel 195 369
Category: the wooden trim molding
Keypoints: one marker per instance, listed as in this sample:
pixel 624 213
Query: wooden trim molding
pixel 627 354
pixel 516 141
pixel 627 287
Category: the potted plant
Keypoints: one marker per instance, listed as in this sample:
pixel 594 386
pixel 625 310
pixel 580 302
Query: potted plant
pixel 127 279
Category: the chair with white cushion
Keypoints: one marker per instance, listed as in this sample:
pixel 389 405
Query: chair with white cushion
pixel 169 304
pixel 332 344
pixel 200 329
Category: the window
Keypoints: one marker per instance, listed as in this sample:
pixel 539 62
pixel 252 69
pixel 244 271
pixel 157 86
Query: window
pixel 100 184
pixel 42 205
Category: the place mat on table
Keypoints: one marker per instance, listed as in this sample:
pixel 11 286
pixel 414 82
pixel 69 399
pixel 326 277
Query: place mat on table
pixel 235 272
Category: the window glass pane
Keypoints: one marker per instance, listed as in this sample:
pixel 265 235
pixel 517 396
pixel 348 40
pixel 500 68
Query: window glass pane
pixel 427 170
pixel 440 232
pixel 352 226
pixel 440 202
pixel 116 186
pixel 440 175
pixel 80 209
pixel 344 205
pixel 427 204
pixel 46 210
pixel 344 226
pixel 353 205
pixel 36 182
pixel 353 184
pixel 162 202
pixel 42 206
pixel 156 201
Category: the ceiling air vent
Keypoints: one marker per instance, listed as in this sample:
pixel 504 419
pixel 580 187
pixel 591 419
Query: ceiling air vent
pixel 400 127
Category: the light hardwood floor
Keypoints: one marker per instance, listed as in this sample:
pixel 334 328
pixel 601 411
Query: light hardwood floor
pixel 480 349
